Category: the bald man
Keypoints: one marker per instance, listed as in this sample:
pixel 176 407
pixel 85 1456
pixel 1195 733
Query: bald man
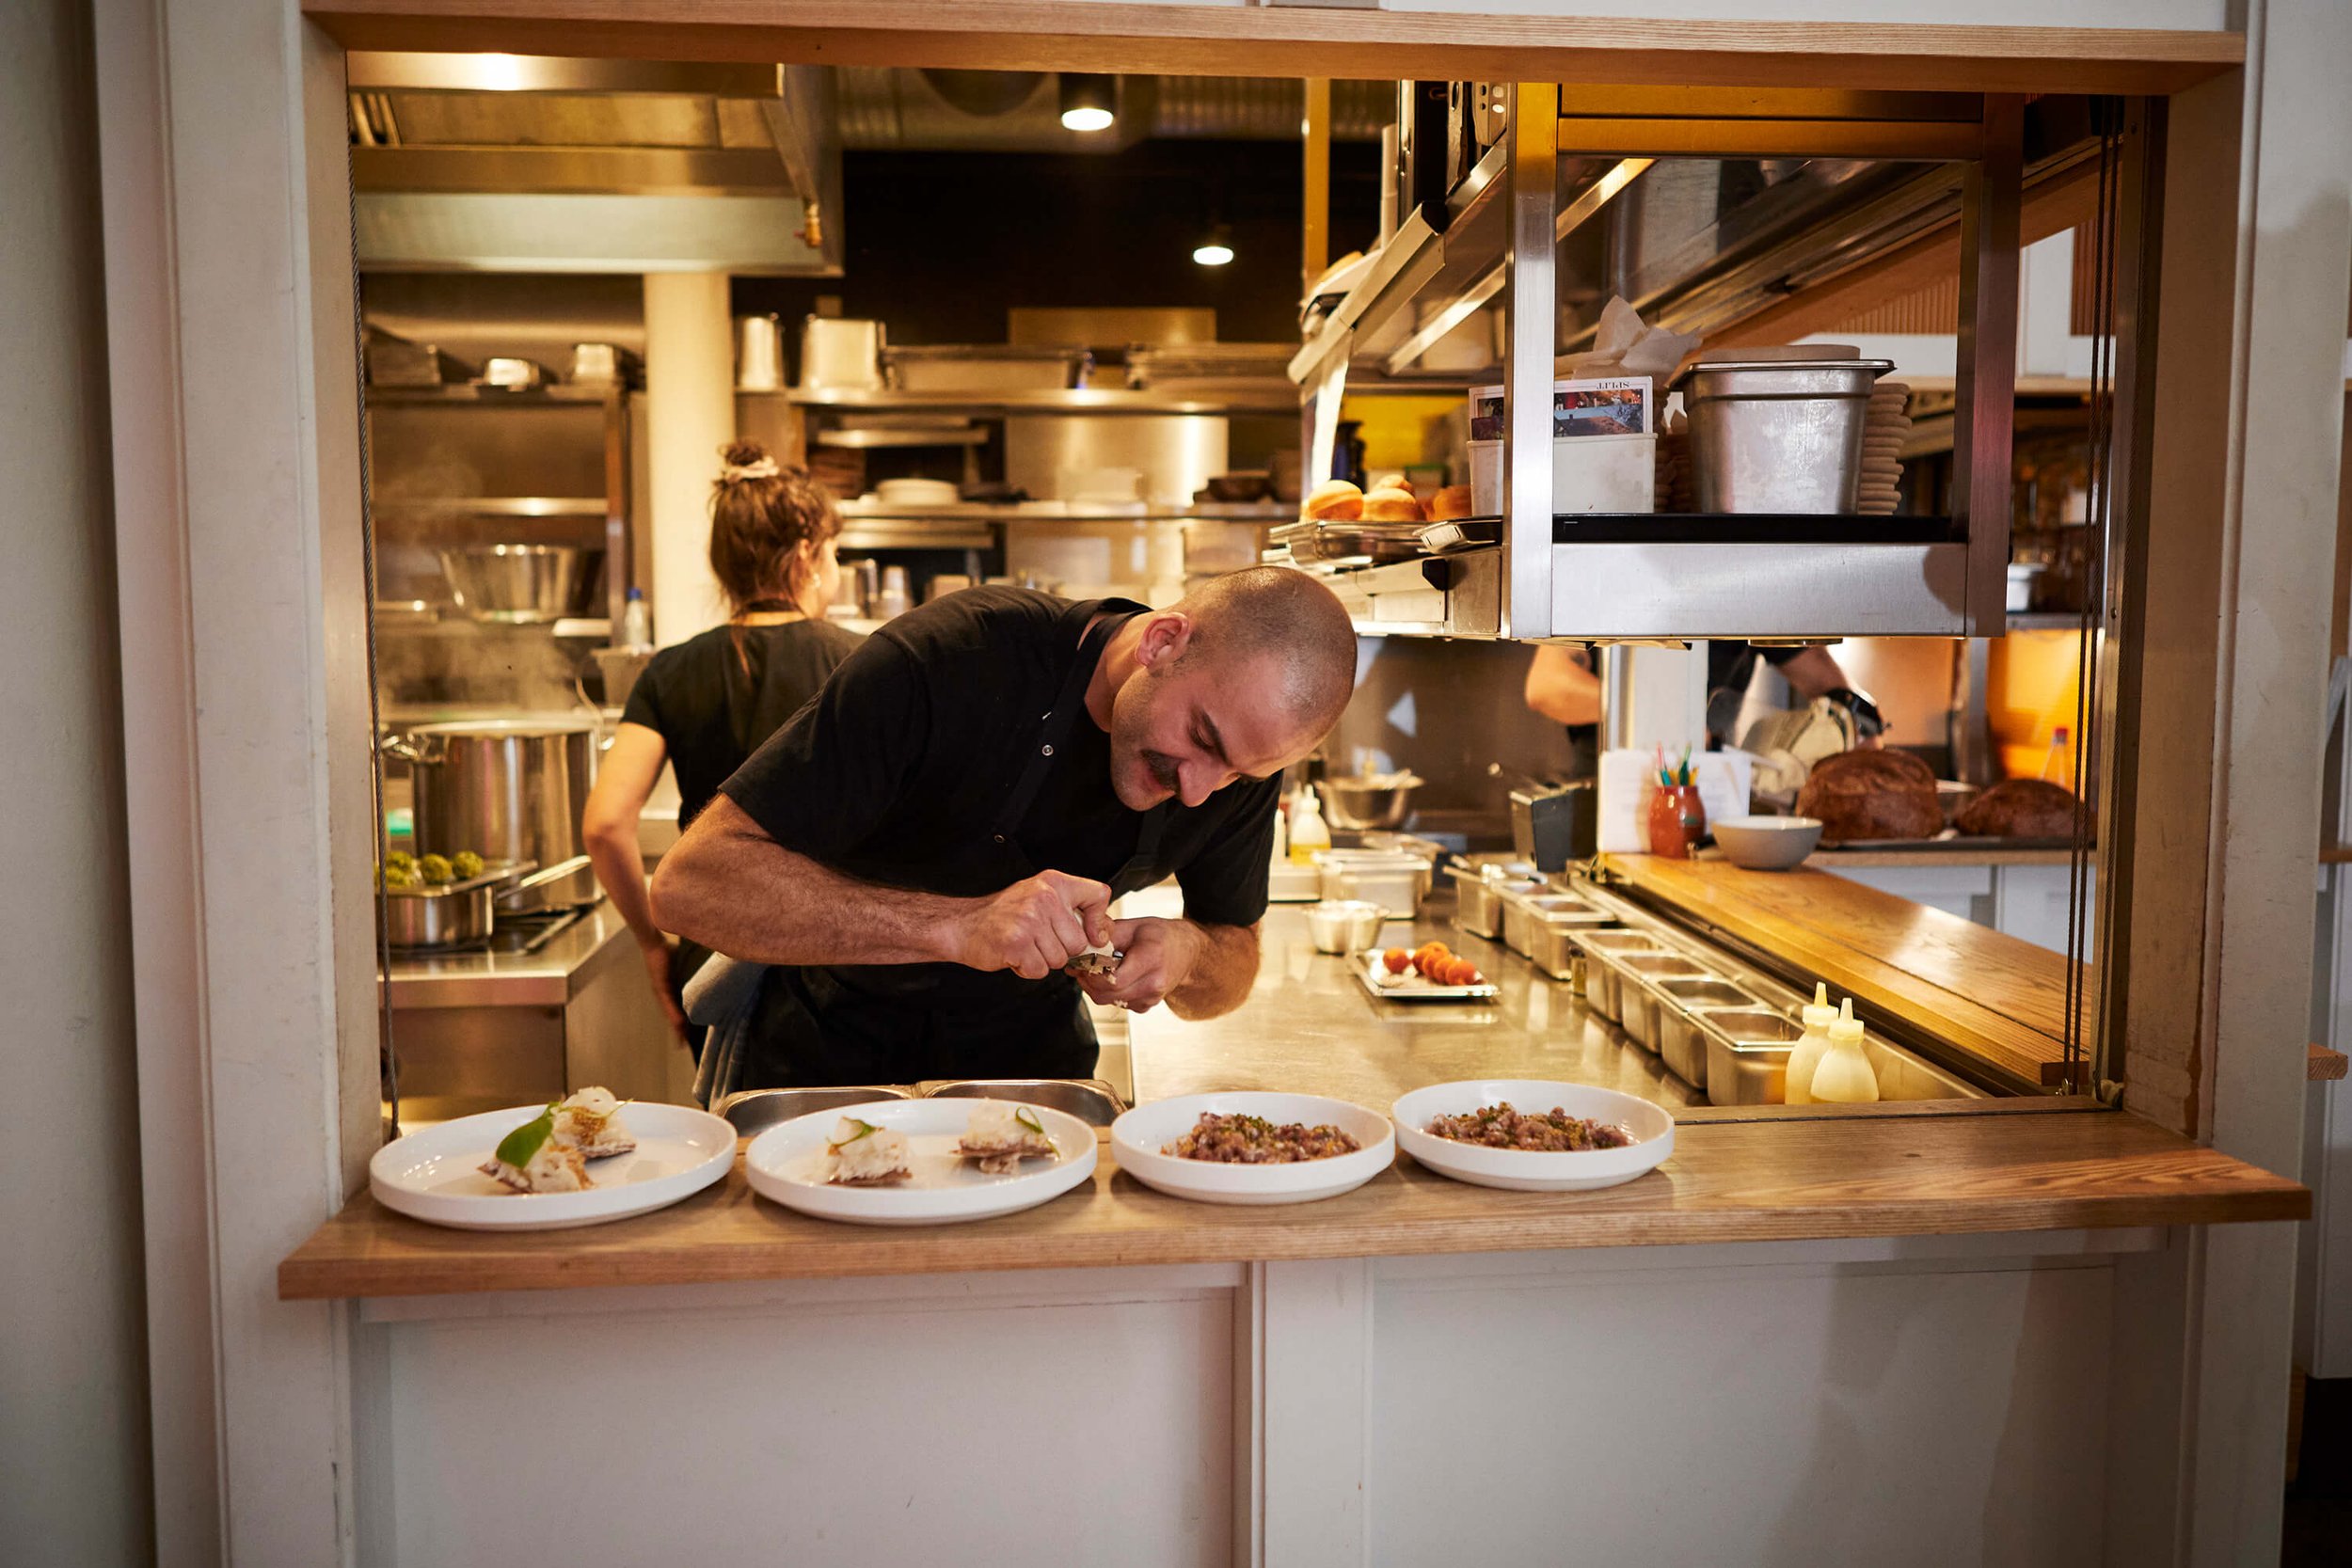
pixel 927 846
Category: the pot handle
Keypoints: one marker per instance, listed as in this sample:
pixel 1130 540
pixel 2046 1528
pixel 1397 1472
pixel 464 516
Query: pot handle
pixel 606 731
pixel 417 751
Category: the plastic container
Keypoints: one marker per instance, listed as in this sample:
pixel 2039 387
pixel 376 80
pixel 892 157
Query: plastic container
pixel 1310 836
pixel 1796 1089
pixel 1845 1076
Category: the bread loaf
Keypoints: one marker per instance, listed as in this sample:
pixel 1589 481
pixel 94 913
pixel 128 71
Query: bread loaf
pixel 2021 808
pixel 1451 503
pixel 1334 499
pixel 1392 506
pixel 1866 795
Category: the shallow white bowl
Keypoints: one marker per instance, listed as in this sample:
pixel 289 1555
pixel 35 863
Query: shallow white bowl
pixel 788 1164
pixel 435 1174
pixel 1526 1170
pixel 1767 843
pixel 1137 1138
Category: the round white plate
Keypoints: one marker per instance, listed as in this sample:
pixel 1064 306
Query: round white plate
pixel 788 1164
pixel 435 1174
pixel 1137 1138
pixel 1526 1170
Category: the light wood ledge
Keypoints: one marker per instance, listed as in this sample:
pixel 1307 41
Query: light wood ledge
pixel 1996 995
pixel 1758 1180
pixel 1262 40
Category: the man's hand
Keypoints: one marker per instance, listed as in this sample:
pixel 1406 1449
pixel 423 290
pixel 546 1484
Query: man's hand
pixel 1157 957
pixel 1034 927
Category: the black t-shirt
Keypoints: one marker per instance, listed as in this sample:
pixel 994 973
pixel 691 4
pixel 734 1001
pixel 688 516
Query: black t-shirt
pixel 900 771
pixel 715 697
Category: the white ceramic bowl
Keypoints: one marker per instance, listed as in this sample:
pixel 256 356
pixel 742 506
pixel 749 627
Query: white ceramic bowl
pixel 1137 1138
pixel 1767 843
pixel 1526 1170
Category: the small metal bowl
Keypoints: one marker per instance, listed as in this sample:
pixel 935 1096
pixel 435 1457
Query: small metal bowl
pixel 1383 801
pixel 1344 925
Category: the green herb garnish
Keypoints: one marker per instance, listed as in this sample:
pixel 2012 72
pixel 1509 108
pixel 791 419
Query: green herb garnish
pixel 1028 1119
pixel 520 1146
pixel 865 1130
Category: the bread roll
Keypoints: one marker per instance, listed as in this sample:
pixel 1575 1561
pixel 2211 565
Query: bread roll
pixel 1392 506
pixel 1866 795
pixel 1451 503
pixel 2021 808
pixel 1335 500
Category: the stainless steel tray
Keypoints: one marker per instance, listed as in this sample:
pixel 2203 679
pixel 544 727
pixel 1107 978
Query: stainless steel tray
pixel 451 917
pixel 1091 1099
pixel 750 1111
pixel 1604 989
pixel 1639 1003
pixel 1416 989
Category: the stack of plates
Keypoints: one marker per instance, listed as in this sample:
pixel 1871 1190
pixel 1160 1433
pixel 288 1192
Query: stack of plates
pixel 1884 429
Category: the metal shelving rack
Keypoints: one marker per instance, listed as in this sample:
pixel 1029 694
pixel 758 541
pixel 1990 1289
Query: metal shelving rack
pixel 1497 238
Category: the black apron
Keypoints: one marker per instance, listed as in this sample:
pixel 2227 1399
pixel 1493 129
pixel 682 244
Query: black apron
pixel 881 1023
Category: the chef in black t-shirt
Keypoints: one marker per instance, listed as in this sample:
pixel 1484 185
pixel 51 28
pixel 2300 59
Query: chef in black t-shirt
pixel 927 845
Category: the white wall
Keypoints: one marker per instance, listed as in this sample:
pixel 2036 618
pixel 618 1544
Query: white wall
pixel 73 1452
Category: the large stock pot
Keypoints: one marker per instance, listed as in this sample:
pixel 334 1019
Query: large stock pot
pixel 510 790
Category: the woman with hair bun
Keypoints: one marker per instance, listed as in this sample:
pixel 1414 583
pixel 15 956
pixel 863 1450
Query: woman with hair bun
pixel 704 706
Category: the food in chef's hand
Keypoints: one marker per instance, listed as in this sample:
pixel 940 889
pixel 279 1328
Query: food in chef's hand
pixel 1397 959
pixel 1001 1135
pixel 1103 960
pixel 590 1121
pixel 1239 1140
pixel 532 1159
pixel 864 1155
pixel 467 865
pixel 435 869
pixel 1553 1131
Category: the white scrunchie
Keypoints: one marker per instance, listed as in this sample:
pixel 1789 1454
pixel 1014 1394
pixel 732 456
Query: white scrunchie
pixel 764 468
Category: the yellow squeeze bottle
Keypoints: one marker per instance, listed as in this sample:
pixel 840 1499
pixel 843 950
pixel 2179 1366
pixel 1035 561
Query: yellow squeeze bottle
pixel 1309 837
pixel 1796 1089
pixel 1845 1076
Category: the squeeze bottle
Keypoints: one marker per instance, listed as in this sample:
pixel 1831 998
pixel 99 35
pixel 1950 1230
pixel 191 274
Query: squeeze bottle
pixel 1811 1047
pixel 1309 837
pixel 1845 1076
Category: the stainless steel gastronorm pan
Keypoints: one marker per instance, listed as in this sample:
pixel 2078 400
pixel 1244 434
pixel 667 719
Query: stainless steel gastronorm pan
pixel 751 1111
pixel 1640 1004
pixel 1091 1099
pixel 1603 982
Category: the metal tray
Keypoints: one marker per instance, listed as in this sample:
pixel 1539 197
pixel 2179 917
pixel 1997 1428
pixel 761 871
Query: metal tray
pixel 448 917
pixel 750 1111
pixel 1604 989
pixel 1417 989
pixel 1640 1003
pixel 1551 943
pixel 1521 912
pixel 1091 1099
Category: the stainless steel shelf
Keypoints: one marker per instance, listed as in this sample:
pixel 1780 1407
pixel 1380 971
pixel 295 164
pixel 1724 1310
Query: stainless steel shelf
pixel 489 506
pixel 1282 399
pixel 865 439
pixel 1071 512
pixel 562 395
pixel 913 533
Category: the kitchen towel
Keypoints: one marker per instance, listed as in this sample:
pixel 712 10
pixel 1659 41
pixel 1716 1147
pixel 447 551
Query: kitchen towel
pixel 722 998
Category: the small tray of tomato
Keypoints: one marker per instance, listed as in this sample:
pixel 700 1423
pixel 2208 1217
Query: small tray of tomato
pixel 1430 973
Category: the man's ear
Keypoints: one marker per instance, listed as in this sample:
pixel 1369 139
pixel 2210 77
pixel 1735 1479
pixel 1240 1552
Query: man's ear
pixel 1166 636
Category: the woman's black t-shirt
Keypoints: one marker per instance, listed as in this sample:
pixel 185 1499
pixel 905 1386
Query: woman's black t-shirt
pixel 714 698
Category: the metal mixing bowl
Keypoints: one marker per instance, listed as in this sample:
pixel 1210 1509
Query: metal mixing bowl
pixel 518 583
pixel 1382 801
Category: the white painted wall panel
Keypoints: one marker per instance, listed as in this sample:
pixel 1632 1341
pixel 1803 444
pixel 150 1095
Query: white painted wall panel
pixel 1795 1415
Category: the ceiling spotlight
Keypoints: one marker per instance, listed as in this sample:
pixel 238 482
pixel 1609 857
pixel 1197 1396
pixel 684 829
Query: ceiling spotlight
pixel 1088 103
pixel 1216 248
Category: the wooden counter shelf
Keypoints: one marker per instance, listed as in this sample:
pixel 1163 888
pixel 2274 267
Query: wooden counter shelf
pixel 1996 995
pixel 2039 1166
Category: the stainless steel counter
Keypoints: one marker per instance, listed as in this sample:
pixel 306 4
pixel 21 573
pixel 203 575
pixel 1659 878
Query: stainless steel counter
pixel 549 977
pixel 1309 1027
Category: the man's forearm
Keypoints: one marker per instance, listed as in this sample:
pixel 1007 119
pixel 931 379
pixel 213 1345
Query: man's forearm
pixel 732 889
pixel 1222 978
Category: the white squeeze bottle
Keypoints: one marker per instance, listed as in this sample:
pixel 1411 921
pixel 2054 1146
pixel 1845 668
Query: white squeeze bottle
pixel 1845 1076
pixel 1309 837
pixel 1811 1046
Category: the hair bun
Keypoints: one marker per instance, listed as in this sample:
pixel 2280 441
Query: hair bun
pixel 742 455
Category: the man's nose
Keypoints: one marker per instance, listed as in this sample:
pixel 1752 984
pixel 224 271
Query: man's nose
pixel 1195 783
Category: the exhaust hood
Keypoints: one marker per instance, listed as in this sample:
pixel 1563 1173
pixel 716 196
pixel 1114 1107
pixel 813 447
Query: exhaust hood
pixel 538 163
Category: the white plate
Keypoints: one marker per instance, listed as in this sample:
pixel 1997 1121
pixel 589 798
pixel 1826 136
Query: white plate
pixel 788 1164
pixel 1414 989
pixel 435 1174
pixel 1137 1138
pixel 1526 1170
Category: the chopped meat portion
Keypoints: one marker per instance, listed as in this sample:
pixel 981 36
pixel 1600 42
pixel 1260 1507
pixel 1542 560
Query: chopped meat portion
pixel 1553 1131
pixel 1239 1140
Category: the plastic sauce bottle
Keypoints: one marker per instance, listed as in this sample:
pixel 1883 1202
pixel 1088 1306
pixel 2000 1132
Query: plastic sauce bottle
pixel 1845 1076
pixel 1309 837
pixel 636 621
pixel 1814 1044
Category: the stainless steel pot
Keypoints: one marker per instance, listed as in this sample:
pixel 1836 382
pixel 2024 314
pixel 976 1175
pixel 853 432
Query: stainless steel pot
pixel 1779 435
pixel 510 790
pixel 432 917
pixel 1383 801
